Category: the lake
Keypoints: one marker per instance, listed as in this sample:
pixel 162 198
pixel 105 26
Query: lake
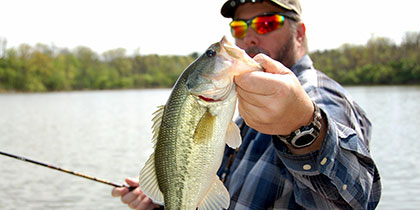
pixel 107 134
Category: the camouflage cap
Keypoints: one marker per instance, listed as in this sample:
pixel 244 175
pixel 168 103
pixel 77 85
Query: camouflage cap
pixel 228 9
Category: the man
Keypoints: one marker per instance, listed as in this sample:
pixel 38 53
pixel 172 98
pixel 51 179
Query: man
pixel 305 141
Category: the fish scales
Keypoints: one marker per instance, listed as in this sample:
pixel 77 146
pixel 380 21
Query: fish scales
pixel 175 158
pixel 191 131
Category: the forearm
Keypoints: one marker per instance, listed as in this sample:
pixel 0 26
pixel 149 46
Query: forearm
pixel 340 170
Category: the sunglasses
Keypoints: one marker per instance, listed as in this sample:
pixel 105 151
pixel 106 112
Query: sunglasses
pixel 261 24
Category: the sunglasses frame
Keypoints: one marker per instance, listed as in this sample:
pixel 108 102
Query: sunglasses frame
pixel 289 15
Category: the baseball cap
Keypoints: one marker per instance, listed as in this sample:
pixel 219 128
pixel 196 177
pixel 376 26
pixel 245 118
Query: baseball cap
pixel 228 9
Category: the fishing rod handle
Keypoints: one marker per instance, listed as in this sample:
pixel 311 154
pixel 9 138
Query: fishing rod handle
pixel 130 188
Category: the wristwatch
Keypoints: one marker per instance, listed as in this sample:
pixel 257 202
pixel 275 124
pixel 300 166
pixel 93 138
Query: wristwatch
pixel 305 135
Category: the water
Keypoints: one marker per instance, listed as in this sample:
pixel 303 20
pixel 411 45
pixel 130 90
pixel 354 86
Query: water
pixel 395 115
pixel 107 134
pixel 104 134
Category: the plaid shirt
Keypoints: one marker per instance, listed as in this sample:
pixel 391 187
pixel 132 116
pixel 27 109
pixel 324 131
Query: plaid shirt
pixel 263 174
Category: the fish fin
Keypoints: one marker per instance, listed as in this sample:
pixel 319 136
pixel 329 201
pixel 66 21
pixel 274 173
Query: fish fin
pixel 157 121
pixel 148 181
pixel 204 130
pixel 217 197
pixel 233 135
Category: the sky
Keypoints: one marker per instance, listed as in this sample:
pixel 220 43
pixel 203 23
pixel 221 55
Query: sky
pixel 181 27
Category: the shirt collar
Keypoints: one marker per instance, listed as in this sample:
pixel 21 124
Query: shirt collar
pixel 303 63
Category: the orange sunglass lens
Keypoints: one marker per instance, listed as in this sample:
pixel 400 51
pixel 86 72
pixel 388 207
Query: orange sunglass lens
pixel 238 28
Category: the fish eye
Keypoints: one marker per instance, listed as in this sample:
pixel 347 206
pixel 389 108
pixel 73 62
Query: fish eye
pixel 210 53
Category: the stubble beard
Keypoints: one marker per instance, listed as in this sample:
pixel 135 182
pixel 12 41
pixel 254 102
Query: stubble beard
pixel 285 55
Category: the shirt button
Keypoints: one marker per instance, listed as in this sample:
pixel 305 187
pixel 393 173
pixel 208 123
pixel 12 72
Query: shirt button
pixel 323 161
pixel 307 167
pixel 344 187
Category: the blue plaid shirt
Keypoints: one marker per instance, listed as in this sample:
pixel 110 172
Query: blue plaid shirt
pixel 263 174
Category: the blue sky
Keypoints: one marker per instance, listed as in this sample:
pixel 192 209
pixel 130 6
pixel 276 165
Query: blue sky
pixel 186 26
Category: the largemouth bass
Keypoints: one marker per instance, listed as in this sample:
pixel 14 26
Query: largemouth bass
pixel 192 129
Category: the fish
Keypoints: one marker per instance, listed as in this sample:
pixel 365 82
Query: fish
pixel 192 129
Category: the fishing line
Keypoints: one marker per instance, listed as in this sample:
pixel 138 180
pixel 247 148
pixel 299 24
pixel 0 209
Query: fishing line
pixel 66 171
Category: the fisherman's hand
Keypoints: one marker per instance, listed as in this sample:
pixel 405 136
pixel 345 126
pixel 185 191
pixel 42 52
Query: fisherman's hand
pixel 273 102
pixel 135 199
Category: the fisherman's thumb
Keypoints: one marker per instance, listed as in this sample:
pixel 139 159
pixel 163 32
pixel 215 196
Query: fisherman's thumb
pixel 132 181
pixel 271 66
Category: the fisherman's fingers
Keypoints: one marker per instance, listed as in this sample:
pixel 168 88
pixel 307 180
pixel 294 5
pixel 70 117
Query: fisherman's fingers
pixel 138 202
pixel 119 191
pixel 135 203
pixel 131 196
pixel 145 204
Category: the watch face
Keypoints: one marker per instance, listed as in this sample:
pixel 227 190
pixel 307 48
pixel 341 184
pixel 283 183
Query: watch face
pixel 304 140
pixel 305 135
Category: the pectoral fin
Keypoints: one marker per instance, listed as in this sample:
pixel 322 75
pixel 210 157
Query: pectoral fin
pixel 148 181
pixel 233 135
pixel 217 197
pixel 205 128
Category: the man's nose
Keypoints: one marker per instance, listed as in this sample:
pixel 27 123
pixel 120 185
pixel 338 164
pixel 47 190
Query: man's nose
pixel 251 37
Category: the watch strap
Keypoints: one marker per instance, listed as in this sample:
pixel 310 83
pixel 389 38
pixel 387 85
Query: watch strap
pixel 305 135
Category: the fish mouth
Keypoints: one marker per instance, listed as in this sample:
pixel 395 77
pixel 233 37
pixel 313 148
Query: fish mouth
pixel 216 94
pixel 207 99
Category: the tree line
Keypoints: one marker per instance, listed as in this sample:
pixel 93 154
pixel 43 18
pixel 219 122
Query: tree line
pixel 47 68
pixel 379 62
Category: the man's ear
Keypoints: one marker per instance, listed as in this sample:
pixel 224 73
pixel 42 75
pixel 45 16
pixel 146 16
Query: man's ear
pixel 301 32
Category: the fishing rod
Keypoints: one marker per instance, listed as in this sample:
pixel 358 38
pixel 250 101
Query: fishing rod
pixel 66 171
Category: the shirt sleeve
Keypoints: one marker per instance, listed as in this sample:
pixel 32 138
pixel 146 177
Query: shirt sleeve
pixel 342 173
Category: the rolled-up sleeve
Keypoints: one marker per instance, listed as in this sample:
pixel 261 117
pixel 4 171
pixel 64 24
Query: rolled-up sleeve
pixel 341 174
pixel 338 171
